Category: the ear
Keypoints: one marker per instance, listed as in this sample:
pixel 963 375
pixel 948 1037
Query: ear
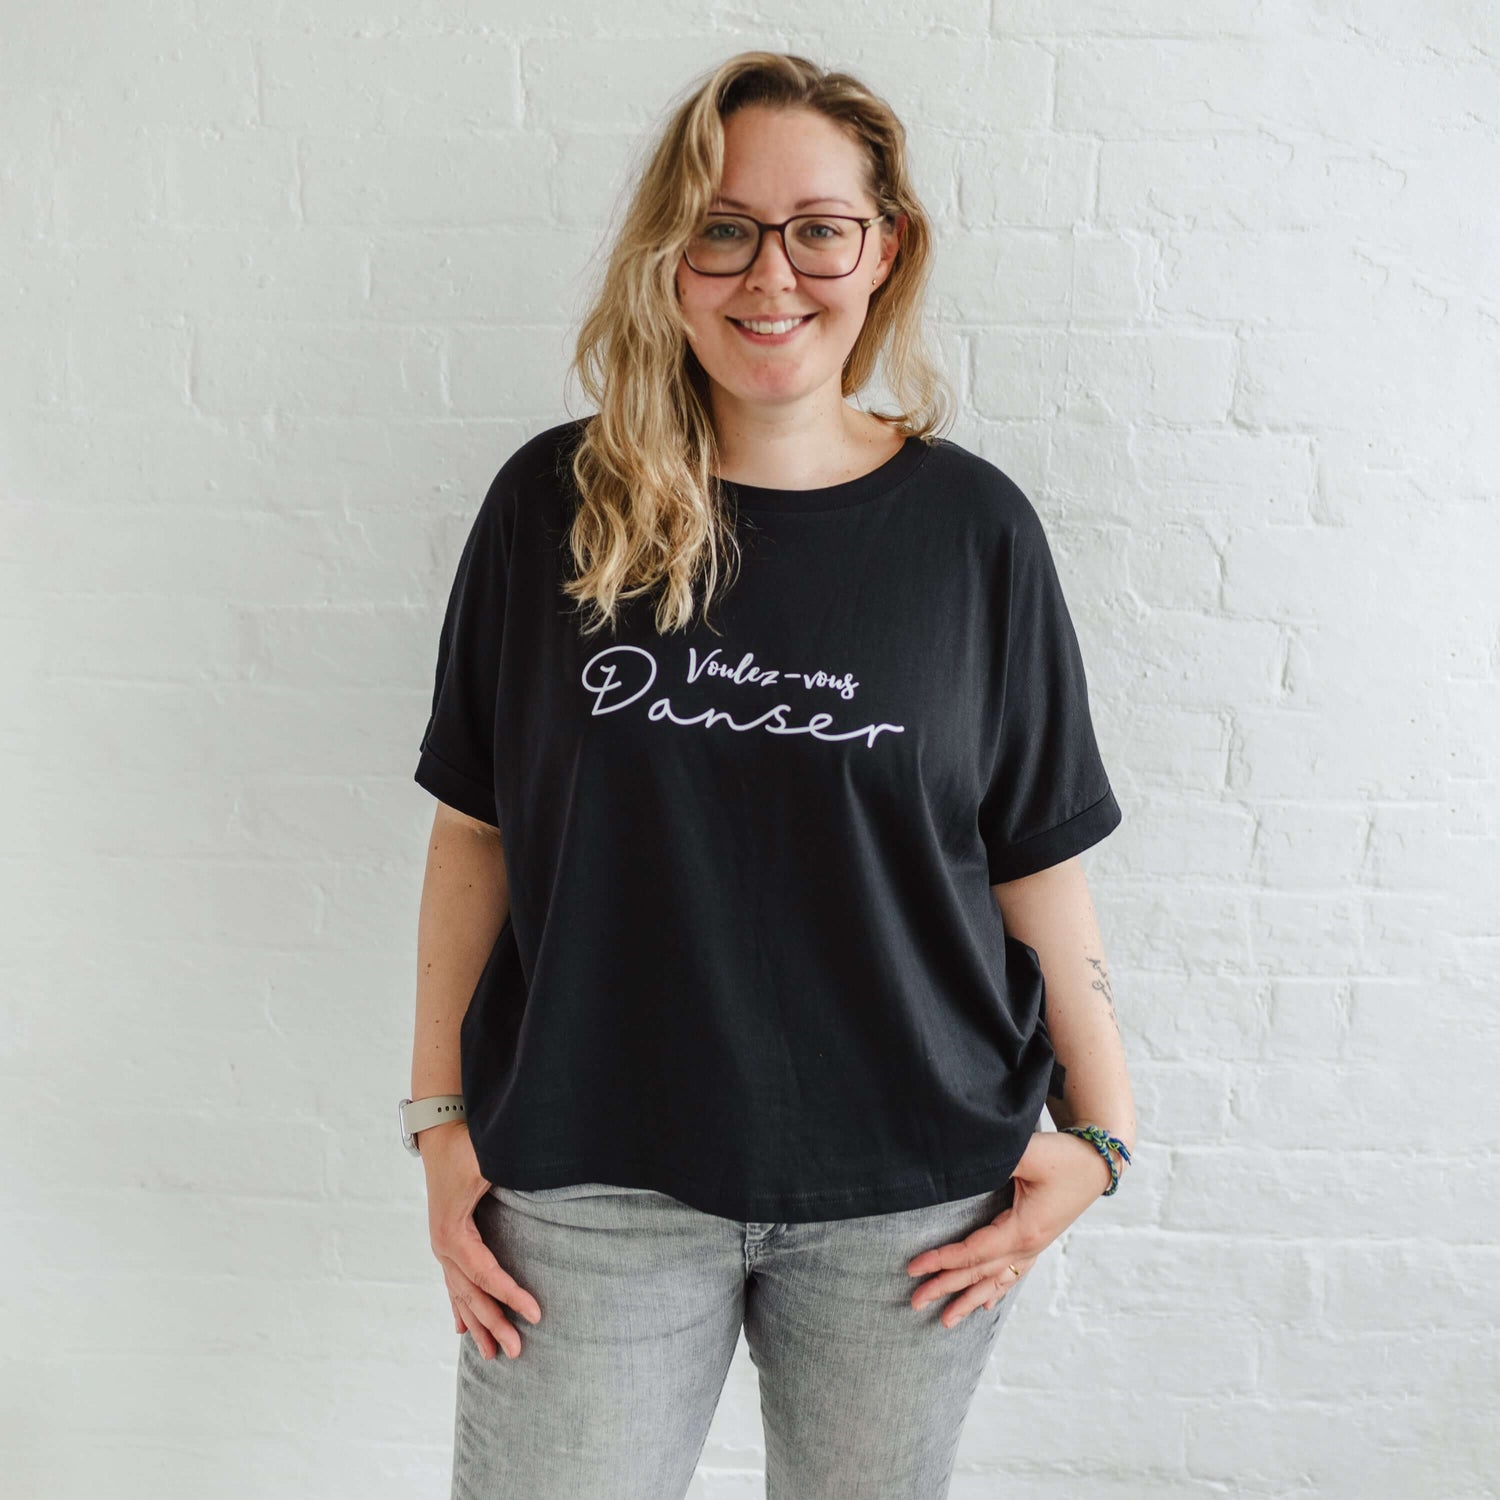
pixel 891 244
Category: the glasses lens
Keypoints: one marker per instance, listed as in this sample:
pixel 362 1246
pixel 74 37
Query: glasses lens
pixel 824 246
pixel 817 245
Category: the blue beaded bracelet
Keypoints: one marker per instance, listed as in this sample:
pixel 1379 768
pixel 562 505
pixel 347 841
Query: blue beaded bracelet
pixel 1102 1141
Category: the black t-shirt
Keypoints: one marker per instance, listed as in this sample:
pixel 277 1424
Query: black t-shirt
pixel 752 957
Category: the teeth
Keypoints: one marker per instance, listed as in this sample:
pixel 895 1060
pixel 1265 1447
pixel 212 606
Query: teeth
pixel 781 327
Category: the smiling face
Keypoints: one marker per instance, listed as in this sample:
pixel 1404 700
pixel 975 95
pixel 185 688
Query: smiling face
pixel 778 163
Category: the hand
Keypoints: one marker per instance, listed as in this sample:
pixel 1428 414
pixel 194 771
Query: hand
pixel 477 1284
pixel 1057 1177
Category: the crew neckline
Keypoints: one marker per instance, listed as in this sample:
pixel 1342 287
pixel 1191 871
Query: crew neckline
pixel 899 466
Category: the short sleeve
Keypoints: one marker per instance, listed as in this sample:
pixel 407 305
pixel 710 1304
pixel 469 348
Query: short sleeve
pixel 1049 796
pixel 456 759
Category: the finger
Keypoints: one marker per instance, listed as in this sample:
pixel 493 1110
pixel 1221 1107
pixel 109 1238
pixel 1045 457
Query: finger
pixel 983 1293
pixel 490 1329
pixel 482 1340
pixel 1005 1288
pixel 965 1268
pixel 940 1258
pixel 1001 1275
pixel 985 1244
pixel 481 1309
pixel 474 1260
pixel 947 1284
pixel 479 1284
pixel 470 1324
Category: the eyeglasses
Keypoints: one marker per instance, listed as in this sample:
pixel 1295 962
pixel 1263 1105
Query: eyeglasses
pixel 815 244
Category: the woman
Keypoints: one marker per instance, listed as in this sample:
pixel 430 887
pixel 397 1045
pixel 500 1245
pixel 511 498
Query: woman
pixel 743 901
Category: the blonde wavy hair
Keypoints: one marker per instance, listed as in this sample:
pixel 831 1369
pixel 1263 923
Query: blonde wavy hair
pixel 652 516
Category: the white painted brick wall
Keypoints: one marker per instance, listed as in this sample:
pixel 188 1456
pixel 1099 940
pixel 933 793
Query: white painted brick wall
pixel 283 283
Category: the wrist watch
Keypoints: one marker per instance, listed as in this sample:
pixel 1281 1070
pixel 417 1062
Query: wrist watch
pixel 417 1114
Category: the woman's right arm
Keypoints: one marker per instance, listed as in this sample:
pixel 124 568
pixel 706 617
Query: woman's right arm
pixel 465 900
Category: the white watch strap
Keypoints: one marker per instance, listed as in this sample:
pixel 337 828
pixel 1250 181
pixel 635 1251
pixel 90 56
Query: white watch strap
pixel 418 1114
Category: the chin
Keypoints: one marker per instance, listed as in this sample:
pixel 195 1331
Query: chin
pixel 789 386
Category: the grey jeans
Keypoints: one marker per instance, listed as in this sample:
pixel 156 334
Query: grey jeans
pixel 643 1298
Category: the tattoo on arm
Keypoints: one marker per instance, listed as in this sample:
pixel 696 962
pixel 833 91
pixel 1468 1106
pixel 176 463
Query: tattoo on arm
pixel 1101 983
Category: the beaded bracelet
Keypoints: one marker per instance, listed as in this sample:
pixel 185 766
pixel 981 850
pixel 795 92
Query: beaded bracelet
pixel 1102 1141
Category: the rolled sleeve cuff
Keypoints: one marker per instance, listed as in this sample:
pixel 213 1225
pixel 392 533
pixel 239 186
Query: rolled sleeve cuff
pixel 469 796
pixel 1043 850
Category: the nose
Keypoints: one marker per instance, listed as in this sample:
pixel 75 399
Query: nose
pixel 778 270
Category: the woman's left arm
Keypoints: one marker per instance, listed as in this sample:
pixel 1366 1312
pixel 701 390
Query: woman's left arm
pixel 1053 912
pixel 1059 1176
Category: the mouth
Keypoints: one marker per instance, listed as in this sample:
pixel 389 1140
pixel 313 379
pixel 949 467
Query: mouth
pixel 784 336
